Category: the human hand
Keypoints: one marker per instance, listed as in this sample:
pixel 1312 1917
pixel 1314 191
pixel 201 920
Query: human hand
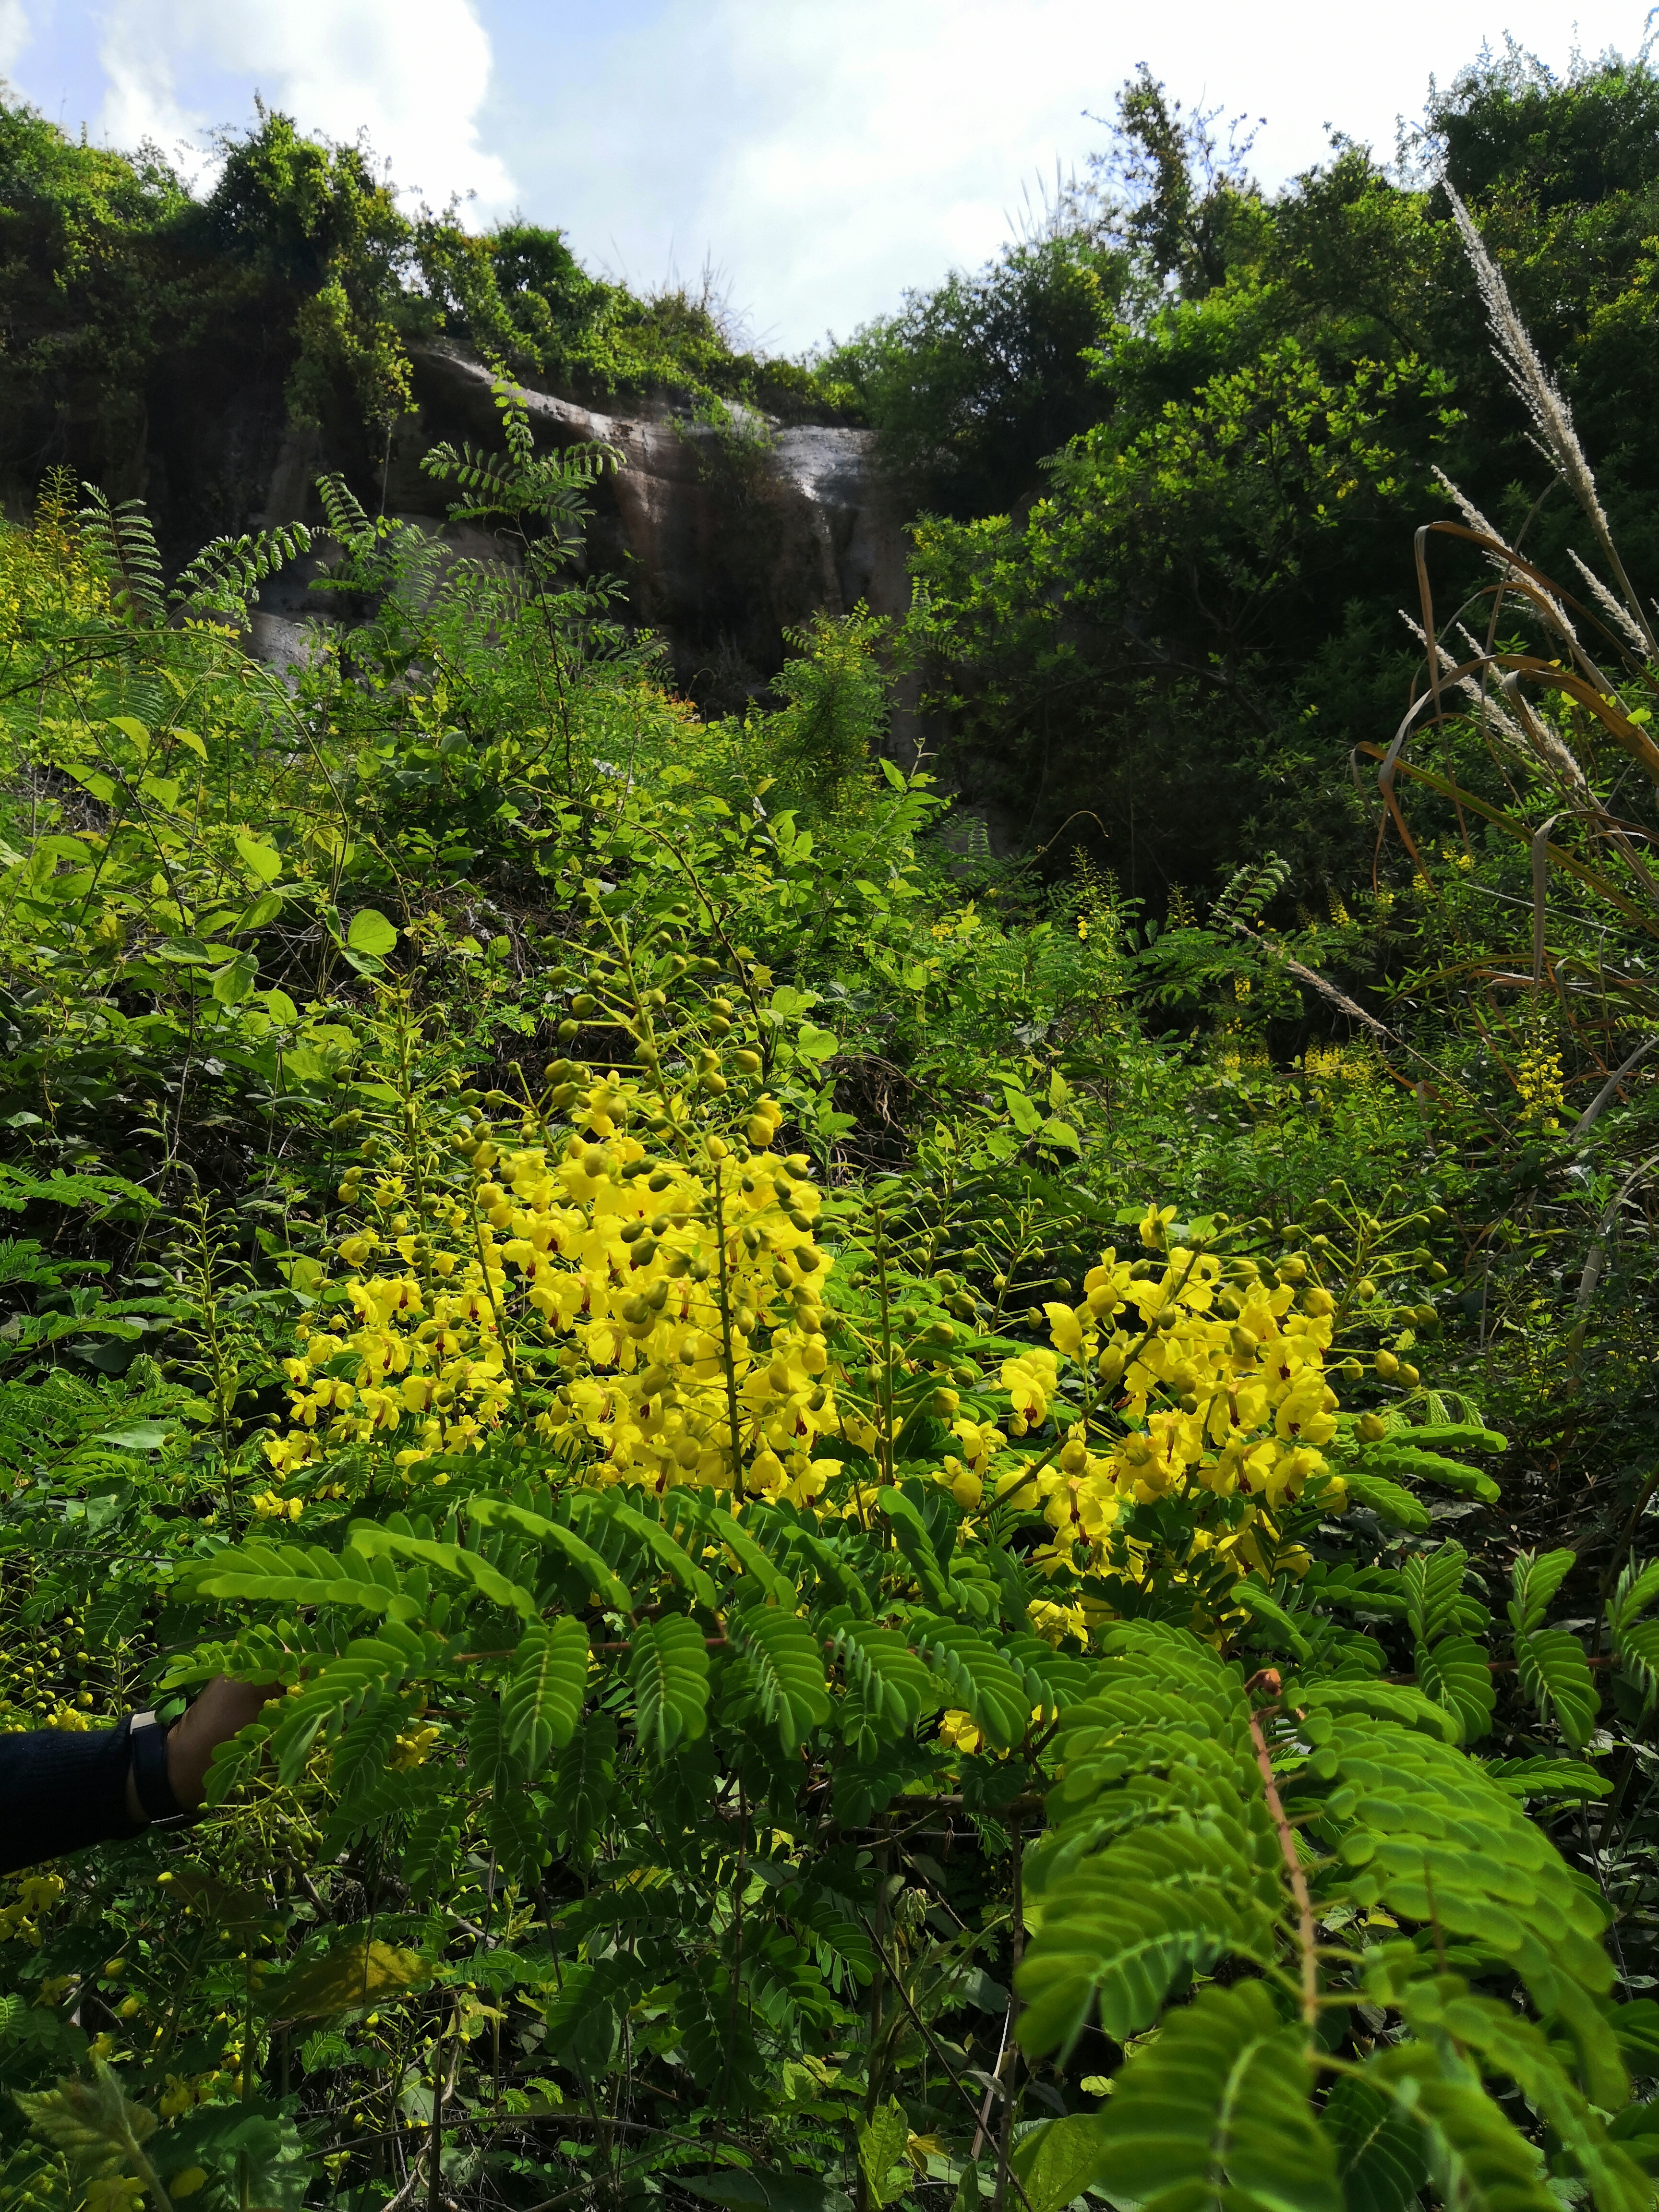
pixel 221 1709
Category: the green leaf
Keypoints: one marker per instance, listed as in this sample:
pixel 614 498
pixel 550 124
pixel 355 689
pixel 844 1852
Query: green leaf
pixel 663 1546
pixel 264 909
pixel 1636 2028
pixel 910 1532
pixel 361 1756
pixel 1548 1779
pixel 881 2142
pixel 1214 2113
pixel 1056 2162
pixel 1637 1589
pixel 669 1670
pixel 1478 2160
pixel 1382 2159
pixel 1454 2017
pixel 292 1574
pixel 233 981
pixel 377 1540
pixel 1459 1436
pixel 259 859
pixel 1431 1582
pixel 369 1665
pixel 1265 1609
pixel 584 1784
pixel 430 1854
pixel 542 1700
pixel 1390 1458
pixel 1454 1673
pixel 1026 1117
pixel 352 1977
pixel 1390 1701
pixel 92 2123
pixel 136 1435
pixel 1555 1674
pixel 371 934
pixel 788 1667
pixel 1388 1501
pixel 988 1686
pixel 1535 1579
pixel 498 1512
pixel 1123 1929
pixel 516 1835
pixel 897 1690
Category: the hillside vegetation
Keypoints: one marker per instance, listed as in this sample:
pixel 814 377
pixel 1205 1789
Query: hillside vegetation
pixel 1171 455
pixel 928 1533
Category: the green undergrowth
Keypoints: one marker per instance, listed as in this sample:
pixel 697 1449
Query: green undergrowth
pixel 925 1540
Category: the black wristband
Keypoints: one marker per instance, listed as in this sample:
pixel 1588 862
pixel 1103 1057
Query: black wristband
pixel 146 1741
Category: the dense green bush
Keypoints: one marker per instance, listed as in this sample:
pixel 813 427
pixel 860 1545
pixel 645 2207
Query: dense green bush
pixel 1169 458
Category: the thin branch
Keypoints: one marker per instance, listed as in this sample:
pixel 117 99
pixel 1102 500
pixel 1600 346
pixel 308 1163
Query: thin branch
pixel 1307 1934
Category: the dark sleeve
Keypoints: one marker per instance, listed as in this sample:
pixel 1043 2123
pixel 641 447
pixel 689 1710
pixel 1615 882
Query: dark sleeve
pixel 60 1791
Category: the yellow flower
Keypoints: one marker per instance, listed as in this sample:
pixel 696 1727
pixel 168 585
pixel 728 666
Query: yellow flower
pixel 1065 1329
pixel 1030 1381
pixel 959 1731
pixel 1154 1223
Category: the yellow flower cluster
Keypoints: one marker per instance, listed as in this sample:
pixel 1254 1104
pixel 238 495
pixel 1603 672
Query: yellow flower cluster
pixel 1328 1066
pixel 268 1506
pixel 684 1287
pixel 185 2092
pixel 654 1309
pixel 1538 1081
pixel 37 1894
pixel 1224 1406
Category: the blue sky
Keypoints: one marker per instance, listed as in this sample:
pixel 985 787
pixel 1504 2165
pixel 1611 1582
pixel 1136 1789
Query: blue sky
pixel 821 154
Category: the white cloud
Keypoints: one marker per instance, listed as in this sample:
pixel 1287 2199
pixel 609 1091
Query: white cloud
pixel 825 154
pixel 412 73
pixel 13 34
pixel 829 155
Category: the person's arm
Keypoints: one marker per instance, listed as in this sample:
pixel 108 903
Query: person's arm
pixel 62 1791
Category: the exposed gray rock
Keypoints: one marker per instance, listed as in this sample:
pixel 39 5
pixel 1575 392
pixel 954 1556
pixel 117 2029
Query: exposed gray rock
pixel 723 536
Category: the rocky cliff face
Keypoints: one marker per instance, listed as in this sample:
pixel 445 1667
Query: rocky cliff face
pixel 723 536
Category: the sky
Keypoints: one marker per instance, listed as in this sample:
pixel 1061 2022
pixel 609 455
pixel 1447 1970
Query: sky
pixel 817 157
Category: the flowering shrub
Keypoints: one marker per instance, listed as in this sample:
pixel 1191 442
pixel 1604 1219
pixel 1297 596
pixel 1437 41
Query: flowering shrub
pixel 704 1338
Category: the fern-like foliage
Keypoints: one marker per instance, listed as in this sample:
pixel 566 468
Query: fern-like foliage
pixel 120 539
pixel 1248 890
pixel 524 487
pixel 225 575
pixel 348 521
pixel 1242 1873
pixel 1195 1825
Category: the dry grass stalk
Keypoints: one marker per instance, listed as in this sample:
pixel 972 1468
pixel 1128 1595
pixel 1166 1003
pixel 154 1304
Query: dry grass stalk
pixel 1545 403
